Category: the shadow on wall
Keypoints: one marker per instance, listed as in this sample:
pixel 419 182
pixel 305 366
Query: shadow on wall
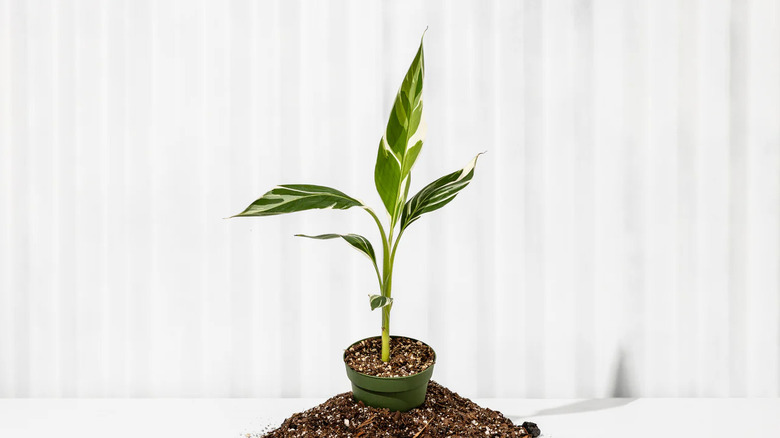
pixel 622 386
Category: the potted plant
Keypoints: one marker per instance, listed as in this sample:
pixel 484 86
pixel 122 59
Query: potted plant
pixel 398 150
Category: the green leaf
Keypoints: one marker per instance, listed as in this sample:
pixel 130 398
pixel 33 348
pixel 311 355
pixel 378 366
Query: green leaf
pixel 359 242
pixel 437 194
pixel 290 198
pixel 403 139
pixel 378 301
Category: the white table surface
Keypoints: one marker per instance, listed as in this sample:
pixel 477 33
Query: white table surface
pixel 234 418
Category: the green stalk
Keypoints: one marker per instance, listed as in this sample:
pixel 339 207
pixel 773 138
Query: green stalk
pixel 386 334
pixel 385 244
pixel 387 291
pixel 385 283
pixel 395 247
pixel 386 280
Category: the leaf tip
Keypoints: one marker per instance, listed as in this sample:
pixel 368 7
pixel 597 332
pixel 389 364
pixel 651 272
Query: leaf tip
pixel 422 38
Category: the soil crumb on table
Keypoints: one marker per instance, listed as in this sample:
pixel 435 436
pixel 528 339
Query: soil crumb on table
pixel 444 414
pixel 407 357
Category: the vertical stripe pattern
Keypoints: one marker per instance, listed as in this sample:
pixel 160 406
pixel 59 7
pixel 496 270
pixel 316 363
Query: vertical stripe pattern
pixel 621 237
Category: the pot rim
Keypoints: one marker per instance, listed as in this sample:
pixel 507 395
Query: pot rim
pixel 344 359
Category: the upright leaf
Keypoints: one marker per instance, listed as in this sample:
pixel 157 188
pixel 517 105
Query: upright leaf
pixel 356 240
pixel 290 198
pixel 437 194
pixel 403 139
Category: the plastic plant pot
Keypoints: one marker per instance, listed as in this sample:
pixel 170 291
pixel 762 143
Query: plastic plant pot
pixel 394 393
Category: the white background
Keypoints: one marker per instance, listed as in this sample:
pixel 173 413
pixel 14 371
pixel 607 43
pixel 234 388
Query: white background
pixel 621 236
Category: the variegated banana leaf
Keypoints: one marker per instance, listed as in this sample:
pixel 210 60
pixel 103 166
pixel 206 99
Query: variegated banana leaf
pixel 437 194
pixel 402 141
pixel 356 240
pixel 379 301
pixel 290 198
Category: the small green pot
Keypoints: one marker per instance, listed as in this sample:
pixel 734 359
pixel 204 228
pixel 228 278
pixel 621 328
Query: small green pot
pixel 394 393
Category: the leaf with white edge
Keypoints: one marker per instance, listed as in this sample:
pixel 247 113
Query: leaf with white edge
pixel 438 193
pixel 378 301
pixel 359 242
pixel 403 139
pixel 290 198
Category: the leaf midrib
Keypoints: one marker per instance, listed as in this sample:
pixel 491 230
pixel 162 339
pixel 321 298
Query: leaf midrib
pixel 307 193
pixel 400 199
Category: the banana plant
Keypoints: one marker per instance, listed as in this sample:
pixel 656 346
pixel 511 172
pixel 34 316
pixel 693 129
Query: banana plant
pixel 398 150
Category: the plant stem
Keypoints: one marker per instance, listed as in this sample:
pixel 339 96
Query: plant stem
pixel 387 291
pixel 385 244
pixel 386 334
pixel 395 246
pixel 387 286
pixel 385 283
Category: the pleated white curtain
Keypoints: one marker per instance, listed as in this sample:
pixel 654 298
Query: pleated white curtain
pixel 621 236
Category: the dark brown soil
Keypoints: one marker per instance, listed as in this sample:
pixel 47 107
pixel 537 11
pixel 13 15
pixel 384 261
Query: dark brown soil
pixel 444 414
pixel 407 357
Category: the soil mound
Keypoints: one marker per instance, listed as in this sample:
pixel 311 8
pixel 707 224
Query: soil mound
pixel 444 414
